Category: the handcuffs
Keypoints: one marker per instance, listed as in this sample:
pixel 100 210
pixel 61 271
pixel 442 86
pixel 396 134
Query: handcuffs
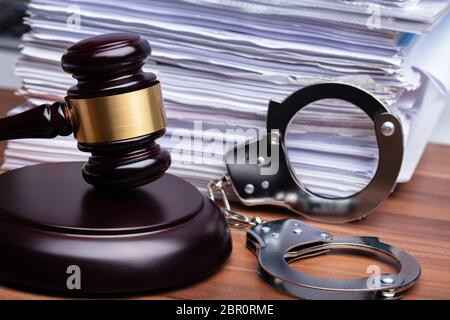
pixel 259 173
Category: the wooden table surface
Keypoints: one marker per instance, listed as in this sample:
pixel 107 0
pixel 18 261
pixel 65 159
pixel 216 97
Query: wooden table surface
pixel 416 218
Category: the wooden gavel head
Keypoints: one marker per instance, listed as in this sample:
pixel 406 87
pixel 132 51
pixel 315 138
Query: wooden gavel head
pixel 115 112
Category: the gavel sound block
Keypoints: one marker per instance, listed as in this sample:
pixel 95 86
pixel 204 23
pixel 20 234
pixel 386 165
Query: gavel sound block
pixel 128 225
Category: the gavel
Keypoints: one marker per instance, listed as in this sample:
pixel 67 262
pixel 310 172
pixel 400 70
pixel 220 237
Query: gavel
pixel 121 238
pixel 115 112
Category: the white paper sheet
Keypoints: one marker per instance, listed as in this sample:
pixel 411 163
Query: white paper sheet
pixel 222 64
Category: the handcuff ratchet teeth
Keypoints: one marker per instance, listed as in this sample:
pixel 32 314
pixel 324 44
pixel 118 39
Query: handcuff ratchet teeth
pixel 265 176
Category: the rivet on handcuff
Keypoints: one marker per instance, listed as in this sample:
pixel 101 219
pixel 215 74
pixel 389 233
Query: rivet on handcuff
pixel 277 243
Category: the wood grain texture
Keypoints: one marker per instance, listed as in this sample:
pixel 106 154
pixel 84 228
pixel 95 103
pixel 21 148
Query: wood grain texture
pixel 416 218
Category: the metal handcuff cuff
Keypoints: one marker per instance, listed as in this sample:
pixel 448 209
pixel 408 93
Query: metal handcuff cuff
pixel 277 243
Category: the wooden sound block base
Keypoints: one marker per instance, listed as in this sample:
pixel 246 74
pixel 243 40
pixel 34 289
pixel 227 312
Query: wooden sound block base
pixel 55 227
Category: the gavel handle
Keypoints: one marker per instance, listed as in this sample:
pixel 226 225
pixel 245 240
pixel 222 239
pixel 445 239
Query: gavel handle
pixel 44 121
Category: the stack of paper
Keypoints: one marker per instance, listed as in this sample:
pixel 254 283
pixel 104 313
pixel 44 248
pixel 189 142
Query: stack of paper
pixel 221 62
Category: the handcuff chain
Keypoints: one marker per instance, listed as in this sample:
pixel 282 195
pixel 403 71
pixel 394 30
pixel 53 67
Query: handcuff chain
pixel 234 219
